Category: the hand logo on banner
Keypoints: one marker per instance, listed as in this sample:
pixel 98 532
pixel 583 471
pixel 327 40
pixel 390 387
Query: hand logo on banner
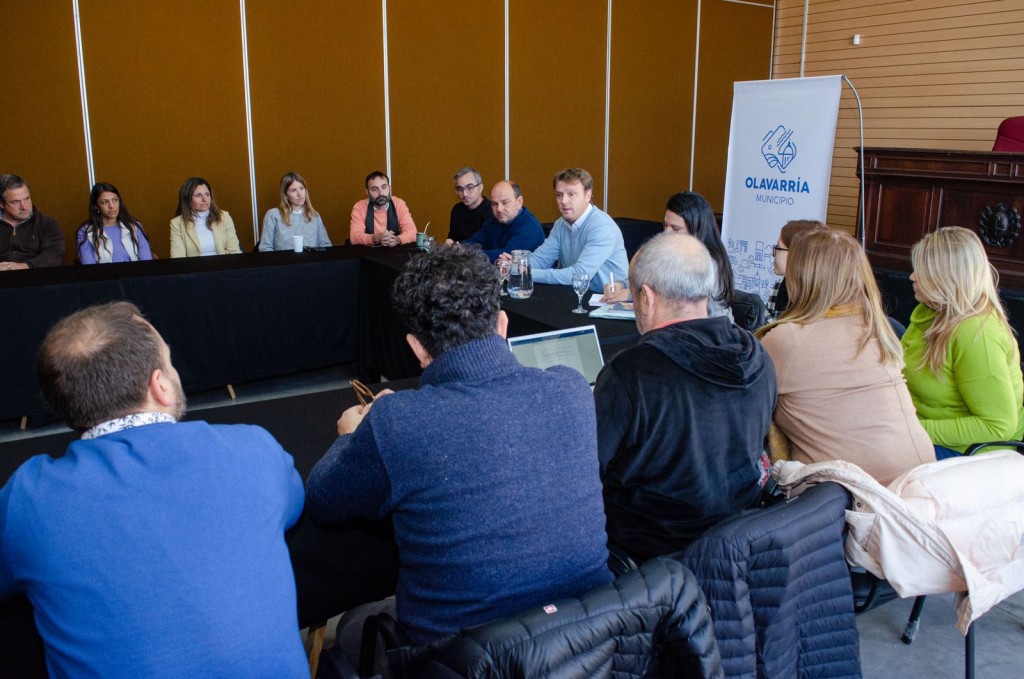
pixel 778 149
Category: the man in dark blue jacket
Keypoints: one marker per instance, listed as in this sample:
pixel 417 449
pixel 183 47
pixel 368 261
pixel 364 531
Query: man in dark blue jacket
pixel 512 227
pixel 682 416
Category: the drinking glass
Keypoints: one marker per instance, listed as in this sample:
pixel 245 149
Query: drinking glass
pixel 580 284
pixel 504 266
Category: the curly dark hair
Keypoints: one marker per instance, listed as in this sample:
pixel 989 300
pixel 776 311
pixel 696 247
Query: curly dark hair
pixel 448 297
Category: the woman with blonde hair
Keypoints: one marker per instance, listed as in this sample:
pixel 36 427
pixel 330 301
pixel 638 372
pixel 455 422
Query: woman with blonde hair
pixel 963 362
pixel 839 365
pixel 295 216
pixel 199 227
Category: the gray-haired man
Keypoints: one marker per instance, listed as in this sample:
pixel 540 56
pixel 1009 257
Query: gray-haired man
pixel 681 416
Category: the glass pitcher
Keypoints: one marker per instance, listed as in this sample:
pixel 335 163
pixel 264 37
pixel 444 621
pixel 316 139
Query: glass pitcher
pixel 520 280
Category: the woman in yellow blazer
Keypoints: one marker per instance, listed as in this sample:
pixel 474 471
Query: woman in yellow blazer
pixel 200 228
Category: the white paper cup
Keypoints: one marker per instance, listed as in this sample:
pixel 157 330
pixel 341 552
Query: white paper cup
pixel 297 243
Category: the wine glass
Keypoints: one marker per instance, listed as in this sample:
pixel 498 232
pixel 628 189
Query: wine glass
pixel 504 267
pixel 580 284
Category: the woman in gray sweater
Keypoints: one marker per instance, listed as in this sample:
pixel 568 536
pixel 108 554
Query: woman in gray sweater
pixel 295 216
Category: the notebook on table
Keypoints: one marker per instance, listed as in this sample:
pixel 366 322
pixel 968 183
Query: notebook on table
pixel 577 348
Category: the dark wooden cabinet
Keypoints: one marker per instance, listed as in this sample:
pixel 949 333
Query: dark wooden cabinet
pixel 913 191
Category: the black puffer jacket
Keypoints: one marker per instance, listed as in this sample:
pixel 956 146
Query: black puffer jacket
pixel 651 622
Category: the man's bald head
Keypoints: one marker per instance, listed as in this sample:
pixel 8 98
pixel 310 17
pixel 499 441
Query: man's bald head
pixel 506 201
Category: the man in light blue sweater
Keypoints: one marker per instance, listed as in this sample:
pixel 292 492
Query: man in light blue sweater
pixel 584 240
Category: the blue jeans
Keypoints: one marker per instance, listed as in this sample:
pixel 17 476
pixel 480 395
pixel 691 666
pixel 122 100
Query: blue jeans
pixel 943 453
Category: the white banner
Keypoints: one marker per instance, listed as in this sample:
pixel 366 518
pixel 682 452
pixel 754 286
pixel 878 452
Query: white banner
pixel 780 162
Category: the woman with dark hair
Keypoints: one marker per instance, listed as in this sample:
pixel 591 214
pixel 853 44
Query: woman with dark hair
pixel 295 216
pixel 111 234
pixel 688 212
pixel 199 227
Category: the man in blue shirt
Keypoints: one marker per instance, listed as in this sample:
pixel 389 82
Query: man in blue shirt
pixel 584 240
pixel 512 227
pixel 152 548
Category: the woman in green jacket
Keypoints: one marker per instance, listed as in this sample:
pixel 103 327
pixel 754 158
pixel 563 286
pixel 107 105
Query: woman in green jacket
pixel 962 359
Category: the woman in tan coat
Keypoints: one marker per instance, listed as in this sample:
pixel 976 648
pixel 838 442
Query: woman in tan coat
pixel 842 395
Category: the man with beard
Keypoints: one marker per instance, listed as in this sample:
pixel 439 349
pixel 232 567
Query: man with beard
pixel 513 227
pixel 28 238
pixel 389 223
pixel 152 548
pixel 472 210
pixel 681 416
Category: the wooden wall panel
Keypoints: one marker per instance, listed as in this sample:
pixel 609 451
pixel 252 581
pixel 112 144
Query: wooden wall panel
pixel 316 75
pixel 43 138
pixel 167 101
pixel 651 107
pixel 447 65
pixel 930 73
pixel 735 45
pixel 557 51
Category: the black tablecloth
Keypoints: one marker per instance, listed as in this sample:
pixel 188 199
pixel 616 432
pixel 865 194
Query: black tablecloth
pixel 228 319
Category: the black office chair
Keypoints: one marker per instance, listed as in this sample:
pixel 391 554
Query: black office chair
pixel 651 622
pixel 748 310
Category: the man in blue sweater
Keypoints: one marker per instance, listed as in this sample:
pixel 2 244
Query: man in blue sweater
pixel 512 227
pixel 152 548
pixel 489 469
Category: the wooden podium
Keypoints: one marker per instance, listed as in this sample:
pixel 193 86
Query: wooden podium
pixel 913 191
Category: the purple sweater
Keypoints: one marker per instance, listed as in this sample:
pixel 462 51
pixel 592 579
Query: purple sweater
pixel 490 472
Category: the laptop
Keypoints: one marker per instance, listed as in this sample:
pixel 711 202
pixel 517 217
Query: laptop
pixel 576 348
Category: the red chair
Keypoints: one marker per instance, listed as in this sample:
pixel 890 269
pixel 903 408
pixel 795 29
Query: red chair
pixel 1010 136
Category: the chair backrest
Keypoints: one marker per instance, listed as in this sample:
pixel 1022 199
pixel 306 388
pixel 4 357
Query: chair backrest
pixel 635 232
pixel 748 310
pixel 1010 136
pixel 651 622
pixel 779 590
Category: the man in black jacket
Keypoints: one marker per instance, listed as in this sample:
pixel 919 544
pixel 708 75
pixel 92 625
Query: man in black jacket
pixel 682 416
pixel 28 238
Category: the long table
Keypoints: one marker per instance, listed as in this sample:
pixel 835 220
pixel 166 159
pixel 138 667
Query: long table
pixel 383 351
pixel 228 319
pixel 238 318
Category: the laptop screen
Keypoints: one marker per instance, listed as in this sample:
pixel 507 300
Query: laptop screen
pixel 576 348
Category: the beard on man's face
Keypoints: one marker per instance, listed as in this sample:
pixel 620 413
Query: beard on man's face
pixel 380 201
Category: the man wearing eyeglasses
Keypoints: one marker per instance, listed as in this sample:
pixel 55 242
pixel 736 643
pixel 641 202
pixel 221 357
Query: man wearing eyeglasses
pixel 470 213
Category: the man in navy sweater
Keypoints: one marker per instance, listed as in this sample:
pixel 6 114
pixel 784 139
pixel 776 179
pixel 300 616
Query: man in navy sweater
pixel 512 227
pixel 489 469
pixel 152 548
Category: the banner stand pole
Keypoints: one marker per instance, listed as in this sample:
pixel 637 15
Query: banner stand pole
pixel 860 120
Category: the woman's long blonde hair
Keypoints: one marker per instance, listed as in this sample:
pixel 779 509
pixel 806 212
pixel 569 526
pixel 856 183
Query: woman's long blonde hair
pixel 286 207
pixel 956 280
pixel 828 270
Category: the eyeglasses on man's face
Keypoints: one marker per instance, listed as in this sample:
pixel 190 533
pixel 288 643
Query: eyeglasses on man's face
pixel 466 189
